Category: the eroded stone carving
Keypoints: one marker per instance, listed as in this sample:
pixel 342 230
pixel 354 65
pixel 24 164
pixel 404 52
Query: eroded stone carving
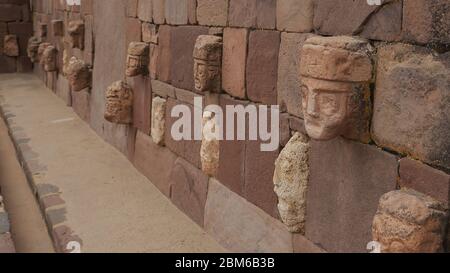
pixel 119 103
pixel 66 60
pixel 49 58
pixel 158 122
pixel 335 76
pixel 32 49
pixel 76 34
pixel 291 178
pixel 41 49
pixel 10 46
pixel 78 74
pixel 208 63
pixel 209 150
pixel 137 59
pixel 408 221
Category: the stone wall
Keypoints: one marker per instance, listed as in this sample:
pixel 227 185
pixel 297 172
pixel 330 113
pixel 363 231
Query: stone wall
pixel 15 30
pixel 335 186
pixel 6 242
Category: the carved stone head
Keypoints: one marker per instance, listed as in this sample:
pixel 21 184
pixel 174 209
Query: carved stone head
pixel 119 103
pixel 76 34
pixel 335 75
pixel 41 49
pixel 32 49
pixel 137 59
pixel 78 74
pixel 208 63
pixel 49 58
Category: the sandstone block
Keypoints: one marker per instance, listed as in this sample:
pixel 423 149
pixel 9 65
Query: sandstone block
pixel 158 120
pixel 145 10
pixel 163 67
pixel 234 61
pixel 159 16
pixel 176 12
pixel 295 15
pixel 212 12
pixel 11 46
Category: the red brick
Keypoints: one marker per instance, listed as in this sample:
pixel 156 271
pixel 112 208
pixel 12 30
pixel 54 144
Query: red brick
pixel 425 179
pixel 189 189
pixel 262 66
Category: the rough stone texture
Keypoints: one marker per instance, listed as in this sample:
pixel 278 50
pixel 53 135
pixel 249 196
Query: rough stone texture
pixel 291 178
pixel 132 6
pixel 49 58
pixel 209 151
pixel 159 16
pixel 154 161
pixel 78 74
pixel 240 226
pixel 426 21
pixel 259 169
pixel 149 33
pixel 11 46
pixel 425 179
pixel 411 103
pixel 119 103
pixel 158 120
pixel 189 189
pixel 349 17
pixel 208 63
pixel 142 96
pixel 162 89
pixel 76 30
pixel 234 61
pixel 295 15
pixel 288 84
pixel 408 221
pixel 145 10
pixel 176 12
pixel 346 181
pixel 252 13
pixel 137 59
pixel 212 12
pixel 262 66
pixel 182 64
pixel 163 67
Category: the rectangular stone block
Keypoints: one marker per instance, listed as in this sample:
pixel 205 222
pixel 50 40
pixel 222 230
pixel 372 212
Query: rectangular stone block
pixel 159 16
pixel 133 30
pixel 163 89
pixel 182 61
pixel 81 104
pixel 142 97
pixel 234 61
pixel 163 67
pixel 288 84
pixel 425 179
pixel 145 10
pixel 9 12
pixel 262 66
pixel 240 226
pixel 295 15
pixel 252 13
pixel 132 6
pixel 154 162
pixel 189 190
pixel 212 12
pixel 176 12
pixel 346 182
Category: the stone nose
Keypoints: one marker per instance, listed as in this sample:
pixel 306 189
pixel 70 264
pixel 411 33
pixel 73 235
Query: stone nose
pixel 311 108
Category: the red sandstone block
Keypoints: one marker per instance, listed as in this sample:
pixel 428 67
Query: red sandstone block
pixel 163 67
pixel 262 66
pixel 234 61
pixel 142 102
pixel 132 8
pixel 425 179
pixel 133 30
pixel 189 189
pixel 51 201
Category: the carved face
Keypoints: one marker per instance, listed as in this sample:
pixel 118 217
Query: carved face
pixel 205 75
pixel 137 59
pixel 78 74
pixel 325 107
pixel 119 102
pixel 32 49
pixel 49 58
pixel 76 34
pixel 41 50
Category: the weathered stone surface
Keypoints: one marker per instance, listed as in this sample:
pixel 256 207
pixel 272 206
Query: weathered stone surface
pixel 182 64
pixel 423 178
pixel 386 23
pixel 291 178
pixel 58 27
pixel 49 58
pixel 154 161
pixel 152 67
pixel 240 226
pixel 6 243
pixel 149 33
pixel 189 189
pixel 285 131
pixel 212 12
pixel 288 84
pixel 119 103
pixel 208 63
pixel 11 46
pixel 133 32
pixel 142 100
pixel 76 34
pixel 162 89
pixel 295 15
pixel 301 244
pixel 234 61
pixel 164 63
pixel 336 74
pixel 266 12
pixel 176 12
pixel 242 13
pixel 346 181
pixel 158 120
pixel 78 74
pixel 81 104
pixel 408 221
pixel 209 151
pixel 145 10
pixel 137 59
pixel 262 66
pixel 159 16
pixel 426 21
pixel 411 103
